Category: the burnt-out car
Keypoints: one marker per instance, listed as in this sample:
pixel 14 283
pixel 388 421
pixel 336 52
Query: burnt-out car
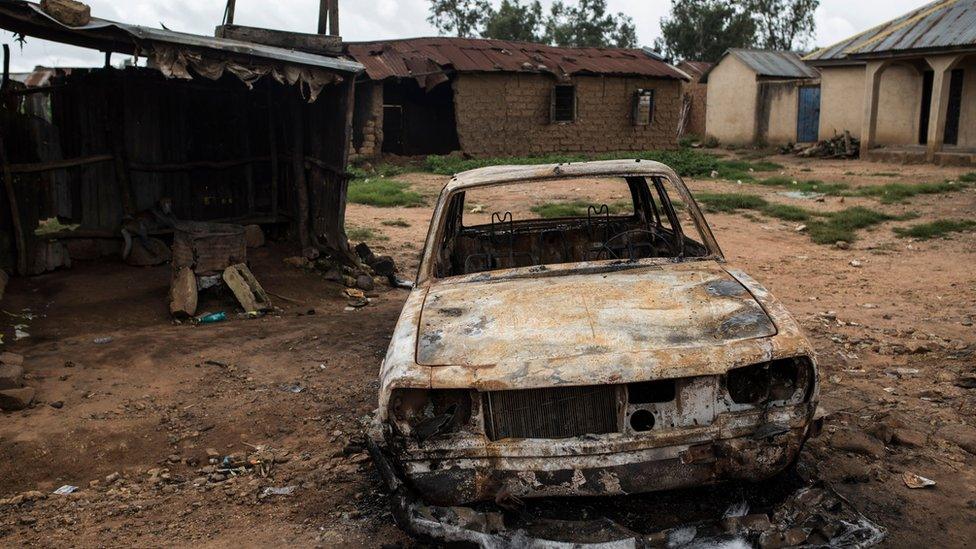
pixel 596 344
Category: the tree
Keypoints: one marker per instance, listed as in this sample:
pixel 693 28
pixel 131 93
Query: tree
pixel 587 24
pixel 515 21
pixel 784 24
pixel 462 18
pixel 702 30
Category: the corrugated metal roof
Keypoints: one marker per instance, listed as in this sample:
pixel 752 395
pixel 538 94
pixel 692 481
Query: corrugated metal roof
pixel 27 18
pixel 695 68
pixel 417 57
pixel 943 24
pixel 785 64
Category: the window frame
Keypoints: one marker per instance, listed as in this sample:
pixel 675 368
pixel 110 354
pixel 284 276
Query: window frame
pixel 639 93
pixel 574 116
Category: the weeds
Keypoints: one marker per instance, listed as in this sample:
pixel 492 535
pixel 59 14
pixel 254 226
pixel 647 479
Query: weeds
pixel 812 186
pixel 380 170
pixel 890 193
pixel 730 202
pixel 842 225
pixel 384 193
pixel 936 229
pixel 395 223
pixel 364 233
pixel 968 177
pixel 576 208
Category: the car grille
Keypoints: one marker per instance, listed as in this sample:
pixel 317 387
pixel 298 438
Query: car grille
pixel 558 412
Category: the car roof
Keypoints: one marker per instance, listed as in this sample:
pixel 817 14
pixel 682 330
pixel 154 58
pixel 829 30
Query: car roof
pixel 507 174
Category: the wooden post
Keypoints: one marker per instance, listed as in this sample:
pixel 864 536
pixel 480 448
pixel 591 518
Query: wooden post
pixel 229 12
pixel 116 129
pixel 298 170
pixel 8 182
pixel 273 149
pixel 329 17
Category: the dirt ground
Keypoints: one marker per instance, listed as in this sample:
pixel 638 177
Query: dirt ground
pixel 139 413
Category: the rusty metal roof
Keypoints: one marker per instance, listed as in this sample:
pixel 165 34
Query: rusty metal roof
pixel 695 68
pixel 27 18
pixel 418 57
pixel 944 24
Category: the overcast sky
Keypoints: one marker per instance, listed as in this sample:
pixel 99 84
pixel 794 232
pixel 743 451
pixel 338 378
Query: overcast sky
pixel 378 19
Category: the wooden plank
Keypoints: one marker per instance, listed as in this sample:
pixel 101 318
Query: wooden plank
pixel 246 288
pixel 52 165
pixel 8 183
pixel 312 43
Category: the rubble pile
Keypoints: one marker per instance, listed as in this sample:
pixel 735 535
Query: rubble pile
pixel 357 279
pixel 839 146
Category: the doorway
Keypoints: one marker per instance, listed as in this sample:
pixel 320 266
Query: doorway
pixel 953 107
pixel 417 121
pixel 808 115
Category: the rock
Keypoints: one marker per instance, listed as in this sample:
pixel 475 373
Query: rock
pixel 348 281
pixel 364 282
pixel 963 436
pixel 332 275
pixel 383 265
pixel 11 376
pixel 16 399
pixel 11 358
pixel 67 12
pixel 858 442
pixel 157 253
pixel 909 437
pixel 253 236
pixel 57 404
pixel 967 381
pixel 183 294
pixel 842 245
pixel 297 261
pixel 246 288
pixel 856 263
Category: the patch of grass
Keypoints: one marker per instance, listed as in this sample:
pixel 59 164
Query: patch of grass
pixel 384 193
pixel 575 208
pixel 364 233
pixel 367 171
pixel 936 229
pixel 843 225
pixel 884 174
pixel 890 193
pixel 968 177
pixel 787 212
pixel 395 223
pixel 730 202
pixel 810 186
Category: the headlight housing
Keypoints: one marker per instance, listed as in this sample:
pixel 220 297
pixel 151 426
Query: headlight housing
pixel 423 414
pixel 785 379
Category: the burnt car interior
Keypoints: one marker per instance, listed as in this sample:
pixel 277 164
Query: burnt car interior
pixel 647 227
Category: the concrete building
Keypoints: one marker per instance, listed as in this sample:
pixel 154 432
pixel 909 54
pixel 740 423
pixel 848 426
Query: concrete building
pixel 693 98
pixel 762 97
pixel 907 87
pixel 499 98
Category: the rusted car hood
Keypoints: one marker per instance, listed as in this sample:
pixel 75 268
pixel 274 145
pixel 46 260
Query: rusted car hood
pixel 553 316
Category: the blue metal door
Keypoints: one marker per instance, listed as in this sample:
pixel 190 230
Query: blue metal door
pixel 808 116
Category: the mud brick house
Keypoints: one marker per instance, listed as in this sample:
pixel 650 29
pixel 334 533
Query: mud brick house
pixel 762 97
pixel 228 130
pixel 693 98
pixel 495 98
pixel 907 87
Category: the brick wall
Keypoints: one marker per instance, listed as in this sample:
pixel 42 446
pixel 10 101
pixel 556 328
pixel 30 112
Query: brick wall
pixel 697 93
pixel 508 114
pixel 368 119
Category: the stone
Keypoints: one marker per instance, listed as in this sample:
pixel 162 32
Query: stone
pixel 183 293
pixel 963 436
pixel 364 282
pixel 67 12
pixel 297 261
pixel 253 236
pixel 858 442
pixel 842 245
pixel 11 358
pixel 11 376
pixel 246 288
pixel 909 437
pixel 16 399
pixel 157 254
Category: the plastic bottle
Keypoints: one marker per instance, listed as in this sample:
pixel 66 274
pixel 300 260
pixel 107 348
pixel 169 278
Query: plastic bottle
pixel 212 317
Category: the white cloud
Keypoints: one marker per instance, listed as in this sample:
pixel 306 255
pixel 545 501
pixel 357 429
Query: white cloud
pixel 378 19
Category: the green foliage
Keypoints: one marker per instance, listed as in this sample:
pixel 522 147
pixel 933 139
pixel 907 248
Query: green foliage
pixel 787 212
pixel 811 186
pixel 587 24
pixel 515 21
pixel 842 225
pixel 395 223
pixel 890 193
pixel 936 229
pixel 384 193
pixel 576 208
pixel 359 172
pixel 701 30
pixel 968 177
pixel 783 25
pixel 884 174
pixel 688 140
pixel 730 202
pixel 458 17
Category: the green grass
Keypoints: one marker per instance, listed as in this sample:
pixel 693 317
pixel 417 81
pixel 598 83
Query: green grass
pixel 890 193
pixel 575 208
pixel 384 193
pixel 687 162
pixel 884 174
pixel 968 177
pixel 360 172
pixel 936 229
pixel 844 224
pixel 811 186
pixel 364 233
pixel 395 223
pixel 731 202
pixel 787 212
